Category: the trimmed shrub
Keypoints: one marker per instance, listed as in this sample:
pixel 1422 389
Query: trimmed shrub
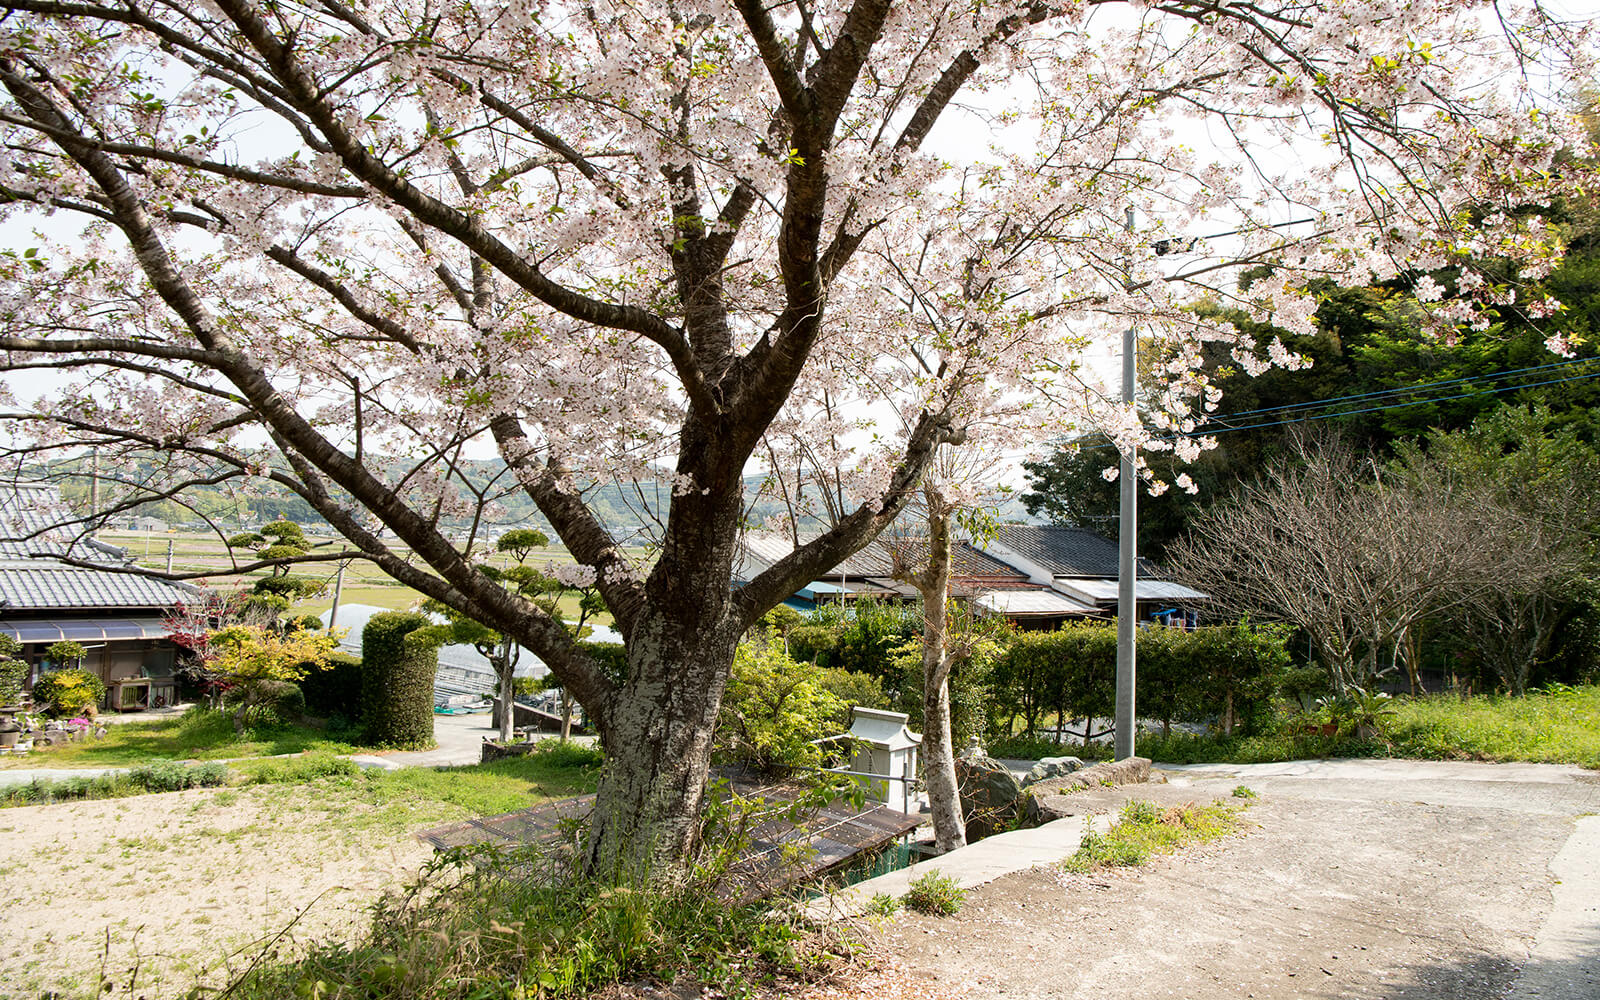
pixel 1229 674
pixel 612 657
pixel 68 692
pixel 335 690
pixel 12 674
pixel 397 673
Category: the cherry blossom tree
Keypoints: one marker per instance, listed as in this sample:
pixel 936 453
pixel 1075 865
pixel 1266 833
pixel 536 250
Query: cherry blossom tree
pixel 349 248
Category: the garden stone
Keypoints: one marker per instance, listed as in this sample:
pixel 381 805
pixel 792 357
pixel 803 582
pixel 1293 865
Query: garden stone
pixel 1052 798
pixel 990 795
pixel 1052 767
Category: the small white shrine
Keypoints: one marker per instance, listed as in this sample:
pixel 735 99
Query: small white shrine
pixel 886 756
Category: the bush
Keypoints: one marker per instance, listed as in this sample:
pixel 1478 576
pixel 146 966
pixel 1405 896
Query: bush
pixel 397 673
pixel 335 690
pixel 935 894
pixel 612 657
pixel 276 703
pixel 37 792
pixel 773 709
pixel 175 776
pixel 852 689
pixel 558 753
pixel 1229 673
pixel 68 692
pixel 814 644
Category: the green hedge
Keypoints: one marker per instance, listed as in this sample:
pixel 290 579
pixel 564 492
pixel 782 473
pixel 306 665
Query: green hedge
pixel 397 674
pixel 336 690
pixel 1229 674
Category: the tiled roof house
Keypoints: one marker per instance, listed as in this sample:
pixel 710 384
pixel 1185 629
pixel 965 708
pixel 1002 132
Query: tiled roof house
pixel 1036 576
pixel 116 615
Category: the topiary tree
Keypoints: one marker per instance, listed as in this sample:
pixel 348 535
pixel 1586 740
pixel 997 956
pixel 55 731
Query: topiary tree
pixel 12 670
pixel 545 590
pixel 66 653
pixel 399 658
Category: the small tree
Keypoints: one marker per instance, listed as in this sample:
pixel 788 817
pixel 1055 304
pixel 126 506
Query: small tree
pixel 544 590
pixel 249 657
pixel 775 710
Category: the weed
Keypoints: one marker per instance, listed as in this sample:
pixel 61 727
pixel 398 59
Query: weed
pixel 491 922
pixel 935 894
pixel 883 905
pixel 1145 829
pixel 294 770
pixel 1243 792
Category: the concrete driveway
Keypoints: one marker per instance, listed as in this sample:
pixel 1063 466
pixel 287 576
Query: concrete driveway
pixel 1387 880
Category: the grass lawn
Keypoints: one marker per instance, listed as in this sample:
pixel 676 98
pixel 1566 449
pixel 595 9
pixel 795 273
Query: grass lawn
pixel 192 736
pixel 163 889
pixel 485 789
pixel 1558 726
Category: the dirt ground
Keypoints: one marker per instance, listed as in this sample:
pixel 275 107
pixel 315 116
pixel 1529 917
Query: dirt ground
pixel 1354 882
pixel 151 890
pixel 1350 888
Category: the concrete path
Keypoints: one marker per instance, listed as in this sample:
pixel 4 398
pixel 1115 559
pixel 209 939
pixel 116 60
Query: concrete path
pixel 1564 963
pixel 970 866
pixel 1358 880
pixel 460 739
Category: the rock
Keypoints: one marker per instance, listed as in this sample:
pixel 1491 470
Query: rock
pixel 1052 767
pixel 1052 798
pixel 990 795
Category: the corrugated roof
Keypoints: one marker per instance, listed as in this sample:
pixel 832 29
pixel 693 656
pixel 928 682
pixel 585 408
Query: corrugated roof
pixel 46 631
pixel 1026 603
pixel 1143 590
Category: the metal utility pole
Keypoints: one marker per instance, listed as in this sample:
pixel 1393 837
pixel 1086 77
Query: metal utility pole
pixel 338 591
pixel 1127 530
pixel 169 555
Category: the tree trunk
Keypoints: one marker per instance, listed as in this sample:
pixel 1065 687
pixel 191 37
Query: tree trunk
pixel 506 671
pixel 938 753
pixel 566 716
pixel 657 736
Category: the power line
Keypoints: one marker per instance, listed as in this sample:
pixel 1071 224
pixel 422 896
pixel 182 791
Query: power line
pixel 1418 387
pixel 1414 402
pixel 1329 414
